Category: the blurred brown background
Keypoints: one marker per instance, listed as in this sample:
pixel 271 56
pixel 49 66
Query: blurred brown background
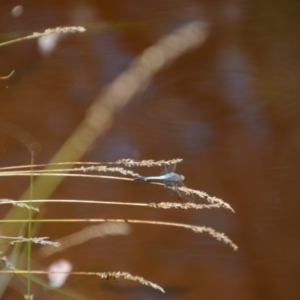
pixel 230 109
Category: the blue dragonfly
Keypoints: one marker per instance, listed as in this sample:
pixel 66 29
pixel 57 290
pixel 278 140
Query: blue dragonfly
pixel 171 180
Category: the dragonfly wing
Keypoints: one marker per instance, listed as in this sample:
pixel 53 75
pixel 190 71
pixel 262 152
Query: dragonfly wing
pixel 168 169
pixel 174 191
pixel 183 195
pixel 171 168
pixel 163 170
pixel 171 190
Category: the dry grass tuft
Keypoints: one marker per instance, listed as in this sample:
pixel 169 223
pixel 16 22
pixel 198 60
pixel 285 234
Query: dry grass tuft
pixel 70 29
pixel 148 163
pixel 128 276
pixel 36 240
pixel 185 206
pixel 17 203
pixel 210 199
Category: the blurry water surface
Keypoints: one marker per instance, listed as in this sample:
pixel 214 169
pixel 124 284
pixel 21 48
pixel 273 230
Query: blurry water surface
pixel 230 109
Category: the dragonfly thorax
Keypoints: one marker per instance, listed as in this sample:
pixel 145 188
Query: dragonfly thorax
pixel 173 177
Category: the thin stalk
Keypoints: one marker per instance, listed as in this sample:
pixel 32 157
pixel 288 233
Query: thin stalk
pixel 197 229
pixel 13 41
pixel 29 245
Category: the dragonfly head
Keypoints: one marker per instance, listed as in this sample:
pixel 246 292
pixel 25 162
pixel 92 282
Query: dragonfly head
pixel 181 177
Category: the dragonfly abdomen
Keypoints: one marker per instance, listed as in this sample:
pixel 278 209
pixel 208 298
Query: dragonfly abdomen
pixel 140 178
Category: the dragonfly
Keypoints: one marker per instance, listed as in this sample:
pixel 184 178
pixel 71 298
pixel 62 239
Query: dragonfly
pixel 171 180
